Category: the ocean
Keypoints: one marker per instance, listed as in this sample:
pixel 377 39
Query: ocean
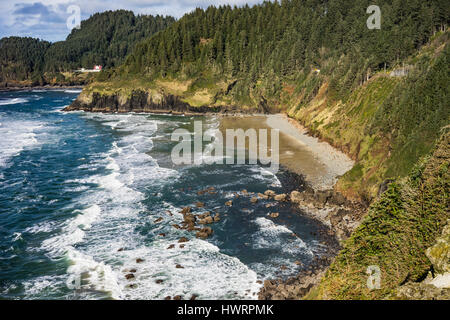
pixel 94 197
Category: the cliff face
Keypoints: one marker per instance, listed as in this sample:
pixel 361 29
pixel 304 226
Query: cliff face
pixel 141 101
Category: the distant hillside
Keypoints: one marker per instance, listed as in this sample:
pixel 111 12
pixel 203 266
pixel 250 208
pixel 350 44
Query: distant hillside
pixel 22 58
pixel 105 39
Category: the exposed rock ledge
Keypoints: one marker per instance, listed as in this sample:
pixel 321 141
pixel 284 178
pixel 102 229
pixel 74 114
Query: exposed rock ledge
pixel 141 102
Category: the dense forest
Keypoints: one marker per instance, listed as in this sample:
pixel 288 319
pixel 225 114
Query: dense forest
pixel 104 39
pixel 278 40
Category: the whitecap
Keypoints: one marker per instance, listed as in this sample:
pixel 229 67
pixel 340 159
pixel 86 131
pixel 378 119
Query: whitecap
pixel 6 102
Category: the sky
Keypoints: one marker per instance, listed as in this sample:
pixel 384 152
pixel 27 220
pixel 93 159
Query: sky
pixel 47 19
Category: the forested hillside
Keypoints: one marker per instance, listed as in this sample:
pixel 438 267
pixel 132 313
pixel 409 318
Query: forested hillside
pixel 316 61
pixel 104 39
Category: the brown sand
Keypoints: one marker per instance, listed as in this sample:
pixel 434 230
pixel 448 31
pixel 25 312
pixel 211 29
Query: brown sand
pixel 319 162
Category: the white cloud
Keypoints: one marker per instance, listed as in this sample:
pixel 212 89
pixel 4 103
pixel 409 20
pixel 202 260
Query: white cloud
pixel 45 19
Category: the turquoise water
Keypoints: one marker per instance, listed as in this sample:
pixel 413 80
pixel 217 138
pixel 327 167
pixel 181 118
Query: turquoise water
pixel 80 195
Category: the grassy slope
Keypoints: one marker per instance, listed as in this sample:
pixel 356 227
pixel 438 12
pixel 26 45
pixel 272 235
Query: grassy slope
pixel 400 226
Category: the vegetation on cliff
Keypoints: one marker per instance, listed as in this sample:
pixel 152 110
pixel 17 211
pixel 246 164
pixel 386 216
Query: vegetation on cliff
pixel 396 233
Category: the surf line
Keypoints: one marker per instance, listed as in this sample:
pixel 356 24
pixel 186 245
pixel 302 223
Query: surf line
pixel 186 152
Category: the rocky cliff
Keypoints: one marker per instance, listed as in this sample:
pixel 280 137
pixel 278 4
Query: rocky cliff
pixel 142 101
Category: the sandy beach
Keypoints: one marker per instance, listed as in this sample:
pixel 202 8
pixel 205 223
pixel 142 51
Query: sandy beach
pixel 317 161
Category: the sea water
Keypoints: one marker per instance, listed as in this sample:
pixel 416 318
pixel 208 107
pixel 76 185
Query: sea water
pixel 81 195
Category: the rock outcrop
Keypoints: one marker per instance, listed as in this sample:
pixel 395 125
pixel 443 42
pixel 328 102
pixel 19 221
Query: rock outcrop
pixel 142 101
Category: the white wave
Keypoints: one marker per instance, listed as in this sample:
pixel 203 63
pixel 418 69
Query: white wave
pixel 6 102
pixel 92 239
pixel 17 135
pixel 268 236
pixel 73 91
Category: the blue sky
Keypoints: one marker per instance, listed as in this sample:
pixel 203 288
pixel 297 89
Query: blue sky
pixel 46 19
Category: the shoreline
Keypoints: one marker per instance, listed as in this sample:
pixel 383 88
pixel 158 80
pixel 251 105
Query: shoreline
pixel 337 163
pixel 313 198
pixel 46 87
pixel 334 162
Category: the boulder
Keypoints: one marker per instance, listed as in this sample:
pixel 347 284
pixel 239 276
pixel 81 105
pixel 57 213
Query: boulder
pixel 274 215
pixel 323 196
pixel 217 217
pixel 280 197
pixel 337 199
pixel 229 203
pixel 199 204
pixel 158 220
pixel 179 266
pixel 201 235
pixel 183 239
pixel 171 246
pixel 129 276
pixel 270 193
pixel 190 218
pixel 204 215
pixel 254 200
pixel 139 260
pixel 263 196
pixel 207 220
pixel 186 210
pixel 297 197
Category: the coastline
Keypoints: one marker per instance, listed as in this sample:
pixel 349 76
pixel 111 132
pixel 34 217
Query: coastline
pixel 319 165
pixel 315 199
pixel 46 87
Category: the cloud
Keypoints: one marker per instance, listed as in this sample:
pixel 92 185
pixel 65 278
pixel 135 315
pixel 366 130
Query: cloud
pixel 47 20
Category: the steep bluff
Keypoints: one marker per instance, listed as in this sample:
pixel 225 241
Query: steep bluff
pixel 141 101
